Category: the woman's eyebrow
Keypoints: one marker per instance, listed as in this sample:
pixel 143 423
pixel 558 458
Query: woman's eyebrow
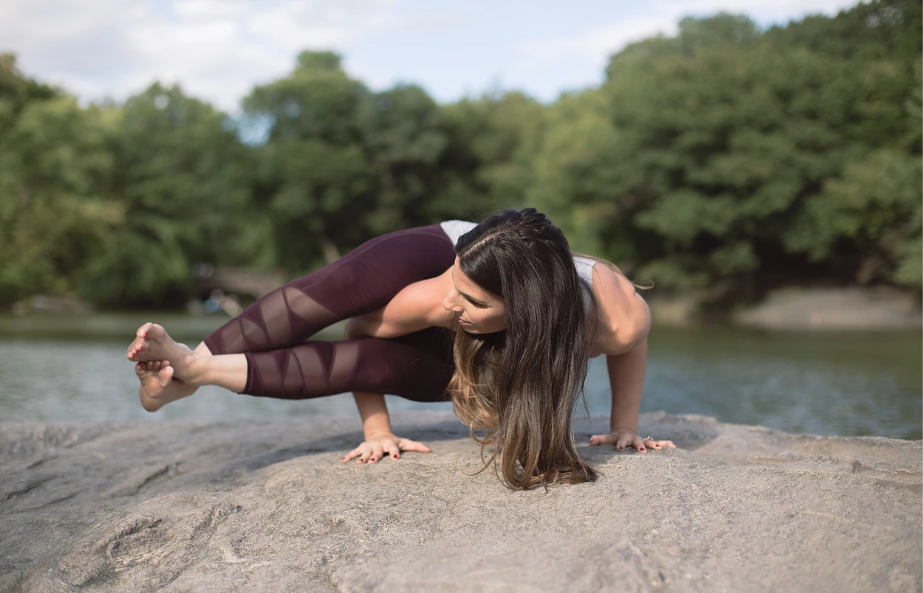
pixel 467 296
pixel 474 301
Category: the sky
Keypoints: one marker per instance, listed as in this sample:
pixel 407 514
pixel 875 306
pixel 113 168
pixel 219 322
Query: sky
pixel 218 50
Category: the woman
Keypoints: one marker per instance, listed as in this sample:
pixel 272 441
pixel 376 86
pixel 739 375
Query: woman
pixel 500 317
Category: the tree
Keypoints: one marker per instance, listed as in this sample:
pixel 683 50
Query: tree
pixel 723 148
pixel 494 140
pixel 314 180
pixel 55 195
pixel 572 173
pixel 181 179
pixel 404 135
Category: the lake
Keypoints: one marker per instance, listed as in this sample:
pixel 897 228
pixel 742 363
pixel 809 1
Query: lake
pixel 57 368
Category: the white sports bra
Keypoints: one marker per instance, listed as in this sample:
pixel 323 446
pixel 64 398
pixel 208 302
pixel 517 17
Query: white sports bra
pixel 456 228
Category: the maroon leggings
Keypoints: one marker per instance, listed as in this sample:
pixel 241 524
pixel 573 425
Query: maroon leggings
pixel 271 332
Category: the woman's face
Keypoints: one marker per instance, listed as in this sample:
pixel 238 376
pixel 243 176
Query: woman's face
pixel 476 310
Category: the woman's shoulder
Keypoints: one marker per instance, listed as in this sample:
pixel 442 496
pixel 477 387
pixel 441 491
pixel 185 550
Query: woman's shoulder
pixel 623 312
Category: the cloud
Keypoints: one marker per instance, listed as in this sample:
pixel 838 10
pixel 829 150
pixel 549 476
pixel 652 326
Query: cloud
pixel 661 17
pixel 217 49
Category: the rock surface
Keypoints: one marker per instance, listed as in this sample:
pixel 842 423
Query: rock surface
pixel 265 505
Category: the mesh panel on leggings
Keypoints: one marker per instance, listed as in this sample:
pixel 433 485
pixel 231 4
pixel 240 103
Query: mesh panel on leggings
pixel 362 281
pixel 284 317
pixel 417 366
pixel 271 332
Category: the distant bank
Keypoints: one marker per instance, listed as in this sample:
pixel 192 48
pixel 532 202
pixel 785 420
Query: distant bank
pixel 847 308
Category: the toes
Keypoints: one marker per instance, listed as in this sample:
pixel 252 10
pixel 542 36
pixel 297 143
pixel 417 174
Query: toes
pixel 136 347
pixel 144 369
pixel 165 375
pixel 142 331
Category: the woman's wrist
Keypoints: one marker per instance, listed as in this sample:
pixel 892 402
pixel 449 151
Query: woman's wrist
pixel 376 425
pixel 378 433
pixel 374 413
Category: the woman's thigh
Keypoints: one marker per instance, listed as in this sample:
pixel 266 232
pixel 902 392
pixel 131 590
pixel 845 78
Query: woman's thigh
pixel 362 281
pixel 373 273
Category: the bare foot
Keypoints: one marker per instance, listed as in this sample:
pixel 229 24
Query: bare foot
pixel 153 344
pixel 158 386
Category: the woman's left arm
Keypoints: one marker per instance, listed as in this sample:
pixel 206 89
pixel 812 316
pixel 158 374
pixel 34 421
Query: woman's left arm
pixel 626 378
pixel 627 322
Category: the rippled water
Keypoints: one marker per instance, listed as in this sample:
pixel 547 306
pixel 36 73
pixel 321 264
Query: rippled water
pixel 818 383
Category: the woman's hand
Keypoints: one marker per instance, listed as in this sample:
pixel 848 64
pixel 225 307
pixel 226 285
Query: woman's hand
pixel 625 437
pixel 381 443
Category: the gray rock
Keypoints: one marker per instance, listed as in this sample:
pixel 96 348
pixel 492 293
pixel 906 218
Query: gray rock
pixel 266 505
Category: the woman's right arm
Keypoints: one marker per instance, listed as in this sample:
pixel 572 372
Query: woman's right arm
pixel 376 423
pixel 376 426
pixel 417 306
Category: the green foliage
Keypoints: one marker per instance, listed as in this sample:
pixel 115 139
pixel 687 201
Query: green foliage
pixel 495 139
pixel 741 152
pixel 55 193
pixel 722 155
pixel 180 180
pixel 874 208
pixel 313 177
pixel 572 171
pixel 404 136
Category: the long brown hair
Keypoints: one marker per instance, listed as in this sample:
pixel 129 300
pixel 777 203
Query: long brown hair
pixel 521 385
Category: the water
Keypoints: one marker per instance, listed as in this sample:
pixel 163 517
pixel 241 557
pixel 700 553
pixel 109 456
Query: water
pixel 852 384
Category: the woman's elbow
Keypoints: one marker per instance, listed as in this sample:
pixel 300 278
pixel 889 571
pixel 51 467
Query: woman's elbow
pixel 633 330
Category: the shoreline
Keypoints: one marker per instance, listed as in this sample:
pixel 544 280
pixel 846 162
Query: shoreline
pixel 809 309
pixel 264 504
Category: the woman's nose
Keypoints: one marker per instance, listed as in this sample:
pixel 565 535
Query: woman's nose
pixel 450 304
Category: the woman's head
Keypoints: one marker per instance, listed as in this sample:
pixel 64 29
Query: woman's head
pixel 476 309
pixel 521 363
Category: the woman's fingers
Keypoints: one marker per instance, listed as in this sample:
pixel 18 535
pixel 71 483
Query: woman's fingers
pixel 371 452
pixel 377 451
pixel 602 439
pixel 625 439
pixel 408 445
pixel 352 454
pixel 621 440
